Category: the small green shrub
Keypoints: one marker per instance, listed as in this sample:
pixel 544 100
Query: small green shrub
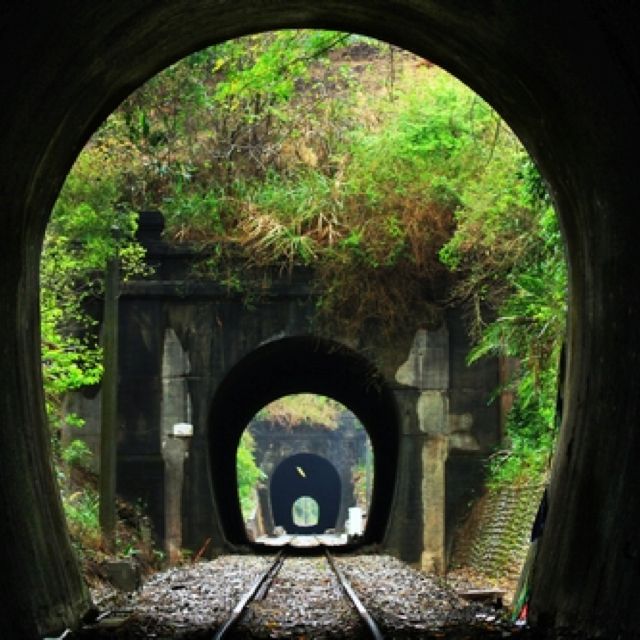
pixel 248 475
pixel 77 454
pixel 81 510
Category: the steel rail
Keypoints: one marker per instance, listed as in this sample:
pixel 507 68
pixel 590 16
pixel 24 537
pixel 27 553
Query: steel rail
pixel 258 588
pixel 371 624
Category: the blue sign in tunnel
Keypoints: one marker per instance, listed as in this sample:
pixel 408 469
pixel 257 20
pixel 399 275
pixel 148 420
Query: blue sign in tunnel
pixel 305 474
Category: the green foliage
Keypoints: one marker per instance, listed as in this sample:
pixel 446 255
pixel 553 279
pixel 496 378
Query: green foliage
pixel 288 150
pixel 403 179
pixel 78 242
pixel 76 453
pixel 360 489
pixel 81 502
pixel 510 257
pixel 77 245
pixel 394 184
pixel 193 135
pixel 270 64
pixel 81 511
pixel 303 408
pixel 247 475
pixel 305 512
pixel 530 430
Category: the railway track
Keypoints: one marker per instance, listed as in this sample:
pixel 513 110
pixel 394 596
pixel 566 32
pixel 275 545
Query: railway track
pixel 260 588
pixel 299 593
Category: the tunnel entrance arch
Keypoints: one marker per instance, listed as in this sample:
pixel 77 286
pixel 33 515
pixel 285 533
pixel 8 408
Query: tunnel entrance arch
pixel 306 423
pixel 509 53
pixel 305 475
pixel 303 364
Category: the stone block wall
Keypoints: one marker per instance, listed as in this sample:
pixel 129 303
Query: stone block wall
pixel 496 536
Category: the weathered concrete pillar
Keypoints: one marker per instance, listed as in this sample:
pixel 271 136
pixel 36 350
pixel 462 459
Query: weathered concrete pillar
pixel 264 517
pixel 417 529
pixel 434 457
pixel 174 452
pixel 176 409
pixel 433 418
pixel 109 408
pixel 176 402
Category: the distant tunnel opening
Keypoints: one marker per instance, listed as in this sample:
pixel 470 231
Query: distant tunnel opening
pixel 305 492
pixel 322 440
pixel 305 512
pixel 303 364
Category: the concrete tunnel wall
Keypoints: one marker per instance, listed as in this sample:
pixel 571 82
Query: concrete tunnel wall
pixel 181 337
pixel 566 76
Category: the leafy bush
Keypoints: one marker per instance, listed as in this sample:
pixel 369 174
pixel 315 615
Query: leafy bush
pixel 302 408
pixel 81 511
pixel 76 453
pixel 293 152
pixel 403 190
pixel 513 279
pixel 248 475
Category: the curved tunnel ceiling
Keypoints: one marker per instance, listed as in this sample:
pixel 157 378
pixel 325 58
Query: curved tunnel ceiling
pixel 297 365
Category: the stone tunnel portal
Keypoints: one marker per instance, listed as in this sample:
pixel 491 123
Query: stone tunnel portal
pixel 305 475
pixel 509 53
pixel 309 424
pixel 297 365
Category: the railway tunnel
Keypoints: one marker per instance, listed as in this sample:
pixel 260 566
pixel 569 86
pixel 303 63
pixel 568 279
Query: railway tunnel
pixel 565 76
pixel 334 435
pixel 305 478
pixel 303 364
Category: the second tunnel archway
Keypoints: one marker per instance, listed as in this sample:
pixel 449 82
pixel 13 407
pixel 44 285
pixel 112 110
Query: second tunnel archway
pixel 295 365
